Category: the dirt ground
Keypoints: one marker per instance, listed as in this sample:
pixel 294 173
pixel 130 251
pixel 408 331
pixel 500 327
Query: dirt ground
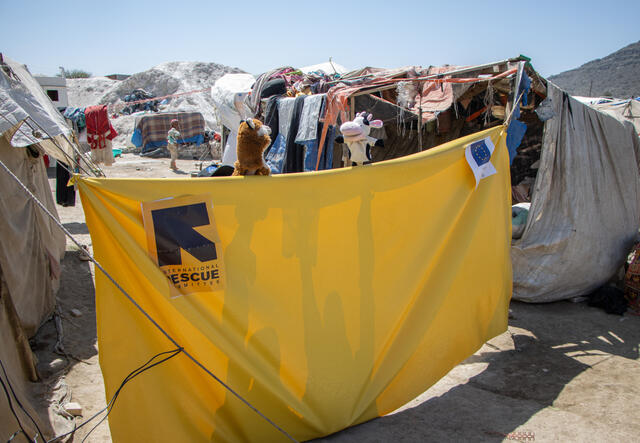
pixel 562 372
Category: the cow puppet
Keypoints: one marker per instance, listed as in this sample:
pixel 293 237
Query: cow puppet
pixel 356 135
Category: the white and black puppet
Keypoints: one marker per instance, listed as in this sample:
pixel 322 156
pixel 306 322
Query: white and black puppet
pixel 356 135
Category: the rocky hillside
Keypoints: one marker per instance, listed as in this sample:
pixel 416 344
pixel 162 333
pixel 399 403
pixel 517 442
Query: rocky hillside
pixel 165 79
pixel 616 75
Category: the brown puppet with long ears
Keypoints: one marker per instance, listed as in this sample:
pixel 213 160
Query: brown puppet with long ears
pixel 253 139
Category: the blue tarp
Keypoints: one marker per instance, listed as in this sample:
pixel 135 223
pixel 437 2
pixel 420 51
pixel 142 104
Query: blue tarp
pixel 136 139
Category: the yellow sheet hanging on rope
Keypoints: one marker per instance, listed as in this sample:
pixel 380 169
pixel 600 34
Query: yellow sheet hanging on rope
pixel 324 299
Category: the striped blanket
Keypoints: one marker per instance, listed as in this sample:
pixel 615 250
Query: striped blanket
pixel 151 130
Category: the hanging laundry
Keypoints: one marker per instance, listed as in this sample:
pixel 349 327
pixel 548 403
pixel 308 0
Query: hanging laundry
pixel 515 133
pixel 294 154
pixel 271 119
pixel 100 132
pixel 296 132
pixel 276 156
pixel 65 195
pixel 76 115
pixel 308 127
pixel 517 129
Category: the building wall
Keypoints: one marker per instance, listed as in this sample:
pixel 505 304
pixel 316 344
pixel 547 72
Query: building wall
pixel 56 89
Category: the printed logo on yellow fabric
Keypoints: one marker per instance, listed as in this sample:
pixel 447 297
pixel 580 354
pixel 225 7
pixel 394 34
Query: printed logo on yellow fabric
pixel 183 240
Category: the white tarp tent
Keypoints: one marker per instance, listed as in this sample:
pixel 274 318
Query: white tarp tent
pixel 22 100
pixel 31 245
pixel 585 211
pixel 623 110
pixel 229 93
pixel 329 68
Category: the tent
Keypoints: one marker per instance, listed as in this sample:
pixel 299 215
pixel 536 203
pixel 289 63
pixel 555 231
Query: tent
pixel 31 245
pixel 622 109
pixel 23 99
pixel 585 211
pixel 228 94
pixel 326 67
pixel 576 164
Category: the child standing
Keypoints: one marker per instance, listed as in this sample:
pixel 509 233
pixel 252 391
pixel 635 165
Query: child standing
pixel 172 143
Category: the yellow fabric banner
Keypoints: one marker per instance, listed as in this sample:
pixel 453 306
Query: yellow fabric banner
pixel 325 299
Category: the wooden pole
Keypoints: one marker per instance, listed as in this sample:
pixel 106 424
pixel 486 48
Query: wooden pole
pixel 419 118
pixel 345 151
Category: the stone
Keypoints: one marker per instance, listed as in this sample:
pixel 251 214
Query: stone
pixel 57 365
pixel 73 408
pixel 76 312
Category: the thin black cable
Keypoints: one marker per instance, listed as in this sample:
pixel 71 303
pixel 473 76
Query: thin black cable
pixel 109 406
pixel 13 411
pixel 142 311
pixel 137 372
pixel 39 432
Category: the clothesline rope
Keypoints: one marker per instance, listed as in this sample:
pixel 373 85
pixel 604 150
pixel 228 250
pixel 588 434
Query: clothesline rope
pixel 180 94
pixel 130 298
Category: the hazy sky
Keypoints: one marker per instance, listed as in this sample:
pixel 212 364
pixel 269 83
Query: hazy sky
pixel 106 37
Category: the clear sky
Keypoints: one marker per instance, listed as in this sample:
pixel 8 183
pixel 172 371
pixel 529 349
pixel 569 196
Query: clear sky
pixel 115 36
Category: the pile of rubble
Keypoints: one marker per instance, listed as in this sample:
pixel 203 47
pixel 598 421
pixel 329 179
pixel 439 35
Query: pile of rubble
pixel 162 80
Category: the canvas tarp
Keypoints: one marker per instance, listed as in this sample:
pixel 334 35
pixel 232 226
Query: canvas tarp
pixel 22 98
pixel 623 110
pixel 585 211
pixel 31 247
pixel 342 294
pixel 227 93
pixel 18 370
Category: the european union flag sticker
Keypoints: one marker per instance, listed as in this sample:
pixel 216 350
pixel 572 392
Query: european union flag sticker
pixel 478 155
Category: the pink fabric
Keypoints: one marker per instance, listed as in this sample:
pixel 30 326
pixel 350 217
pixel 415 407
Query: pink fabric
pixel 435 97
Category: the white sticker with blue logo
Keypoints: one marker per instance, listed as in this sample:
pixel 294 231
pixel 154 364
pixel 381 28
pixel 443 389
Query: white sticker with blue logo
pixel 478 155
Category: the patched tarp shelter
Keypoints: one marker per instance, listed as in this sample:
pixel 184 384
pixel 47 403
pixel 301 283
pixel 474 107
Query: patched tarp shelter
pixel 585 211
pixel 31 245
pixel 576 164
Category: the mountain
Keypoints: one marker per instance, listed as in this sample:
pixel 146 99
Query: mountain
pixel 616 75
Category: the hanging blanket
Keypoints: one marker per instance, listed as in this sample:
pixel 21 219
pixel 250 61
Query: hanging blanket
pixel 324 299
pixel 151 130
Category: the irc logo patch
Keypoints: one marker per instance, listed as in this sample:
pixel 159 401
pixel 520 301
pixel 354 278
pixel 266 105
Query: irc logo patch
pixel 183 240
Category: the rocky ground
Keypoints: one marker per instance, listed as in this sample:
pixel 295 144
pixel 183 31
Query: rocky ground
pixel 562 372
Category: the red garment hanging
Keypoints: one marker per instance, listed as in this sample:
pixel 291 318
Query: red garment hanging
pixel 99 128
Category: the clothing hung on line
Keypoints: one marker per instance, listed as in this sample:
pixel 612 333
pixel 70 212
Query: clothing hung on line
pixel 65 195
pixel 100 132
pixel 295 127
